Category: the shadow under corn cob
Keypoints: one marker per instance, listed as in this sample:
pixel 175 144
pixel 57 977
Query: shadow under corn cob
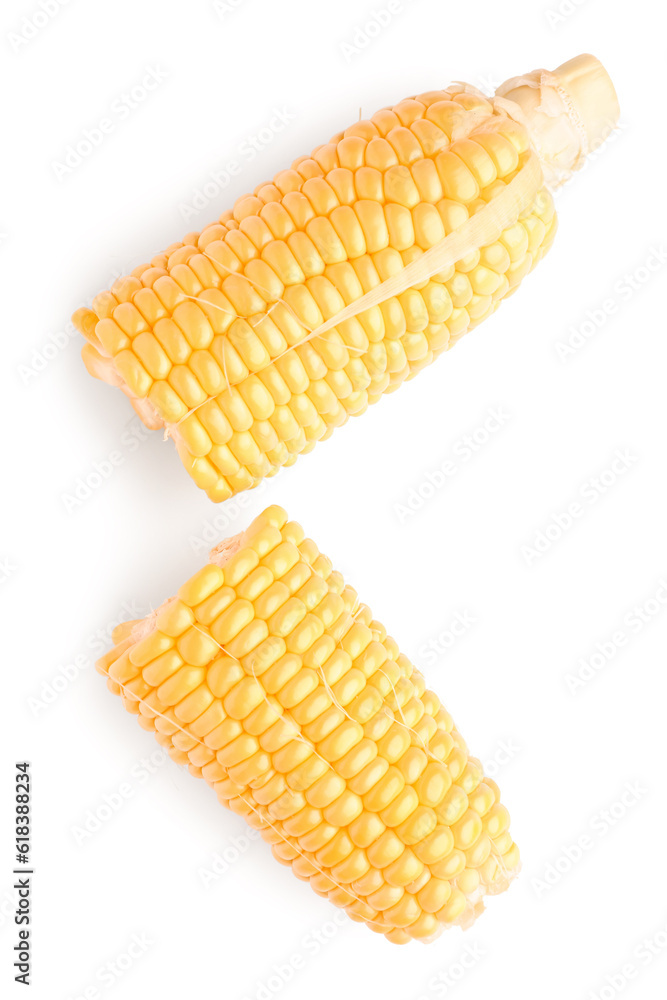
pixel 269 680
pixel 208 339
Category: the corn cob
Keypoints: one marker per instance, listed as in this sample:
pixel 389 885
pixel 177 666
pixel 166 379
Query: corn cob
pixel 217 339
pixel 268 678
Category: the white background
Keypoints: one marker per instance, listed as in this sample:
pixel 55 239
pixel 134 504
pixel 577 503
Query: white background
pixel 561 757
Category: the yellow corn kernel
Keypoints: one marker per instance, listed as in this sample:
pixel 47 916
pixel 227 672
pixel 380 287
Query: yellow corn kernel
pixel 269 679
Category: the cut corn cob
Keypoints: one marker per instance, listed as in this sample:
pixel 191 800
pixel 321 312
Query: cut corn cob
pixel 268 678
pixel 217 338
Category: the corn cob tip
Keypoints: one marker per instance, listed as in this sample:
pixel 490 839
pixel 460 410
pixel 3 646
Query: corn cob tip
pixel 588 85
pixel 569 112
